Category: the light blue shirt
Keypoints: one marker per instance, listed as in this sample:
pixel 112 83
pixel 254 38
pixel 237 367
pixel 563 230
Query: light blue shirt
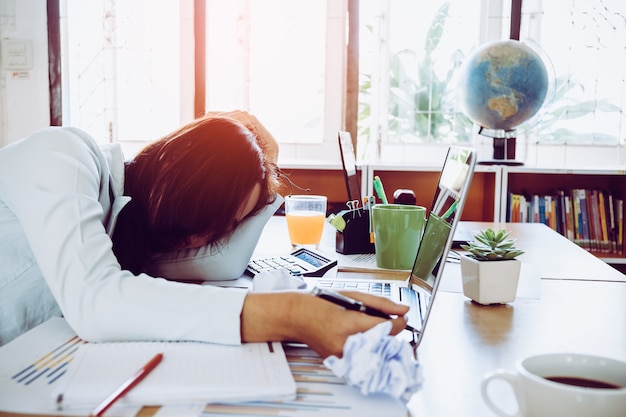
pixel 60 193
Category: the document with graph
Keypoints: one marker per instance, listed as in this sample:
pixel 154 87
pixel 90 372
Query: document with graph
pixel 320 394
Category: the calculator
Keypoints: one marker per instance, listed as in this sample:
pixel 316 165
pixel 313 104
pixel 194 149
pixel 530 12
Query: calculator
pixel 300 262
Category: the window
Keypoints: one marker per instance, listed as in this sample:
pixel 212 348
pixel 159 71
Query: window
pixel 411 50
pixel 129 71
pixel 589 63
pixel 409 57
pixel 125 69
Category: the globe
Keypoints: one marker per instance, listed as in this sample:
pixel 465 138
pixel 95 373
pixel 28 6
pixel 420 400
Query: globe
pixel 503 84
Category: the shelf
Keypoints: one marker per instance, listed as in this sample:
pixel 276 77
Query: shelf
pixel 482 202
pixel 488 197
pixel 541 181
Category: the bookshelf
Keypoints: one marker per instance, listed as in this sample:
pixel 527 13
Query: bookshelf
pixel 581 195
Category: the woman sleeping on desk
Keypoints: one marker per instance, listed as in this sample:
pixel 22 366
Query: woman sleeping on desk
pixel 90 236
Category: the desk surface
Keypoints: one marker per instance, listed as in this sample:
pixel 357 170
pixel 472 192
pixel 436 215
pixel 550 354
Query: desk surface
pixel 464 340
pixel 581 308
pixel 554 254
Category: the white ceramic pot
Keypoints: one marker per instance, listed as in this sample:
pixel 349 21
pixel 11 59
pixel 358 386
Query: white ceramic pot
pixel 490 282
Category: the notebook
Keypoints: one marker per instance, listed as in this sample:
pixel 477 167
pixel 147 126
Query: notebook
pixel 419 289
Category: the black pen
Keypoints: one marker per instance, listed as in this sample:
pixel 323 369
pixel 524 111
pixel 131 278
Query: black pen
pixel 352 304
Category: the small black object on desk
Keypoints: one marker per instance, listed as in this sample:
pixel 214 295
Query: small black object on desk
pixel 406 197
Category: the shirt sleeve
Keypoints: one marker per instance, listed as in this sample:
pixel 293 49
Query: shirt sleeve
pixel 58 180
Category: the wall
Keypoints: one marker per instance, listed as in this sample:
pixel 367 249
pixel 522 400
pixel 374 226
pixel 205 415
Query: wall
pixel 24 93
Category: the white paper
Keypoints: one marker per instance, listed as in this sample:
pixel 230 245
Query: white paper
pixel 320 394
pixel 190 372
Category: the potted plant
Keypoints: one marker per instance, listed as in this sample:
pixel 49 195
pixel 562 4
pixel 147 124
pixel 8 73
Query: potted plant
pixel 490 270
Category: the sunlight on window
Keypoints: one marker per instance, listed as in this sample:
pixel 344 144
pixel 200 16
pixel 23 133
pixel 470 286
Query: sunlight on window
pixel 122 69
pixel 589 60
pixel 410 53
pixel 269 58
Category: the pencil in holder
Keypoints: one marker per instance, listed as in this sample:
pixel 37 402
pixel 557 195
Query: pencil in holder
pixel 355 236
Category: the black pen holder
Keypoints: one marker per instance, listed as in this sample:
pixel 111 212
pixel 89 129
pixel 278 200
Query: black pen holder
pixel 355 237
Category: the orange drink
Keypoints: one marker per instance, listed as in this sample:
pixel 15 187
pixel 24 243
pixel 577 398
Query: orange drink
pixel 305 227
pixel 305 215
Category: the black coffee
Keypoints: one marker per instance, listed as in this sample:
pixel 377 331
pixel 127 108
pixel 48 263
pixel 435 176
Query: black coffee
pixel 582 382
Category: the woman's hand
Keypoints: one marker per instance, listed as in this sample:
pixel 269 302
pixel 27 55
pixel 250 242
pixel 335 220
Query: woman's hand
pixel 302 317
pixel 264 138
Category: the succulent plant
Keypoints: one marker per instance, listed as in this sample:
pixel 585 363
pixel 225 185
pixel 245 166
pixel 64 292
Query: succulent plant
pixel 490 245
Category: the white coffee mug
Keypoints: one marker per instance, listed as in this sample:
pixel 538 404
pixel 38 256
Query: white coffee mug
pixel 563 384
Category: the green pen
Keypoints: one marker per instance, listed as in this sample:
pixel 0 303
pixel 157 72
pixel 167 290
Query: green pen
pixel 380 190
pixel 451 210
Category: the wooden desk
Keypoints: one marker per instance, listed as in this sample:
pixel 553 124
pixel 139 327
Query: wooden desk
pixel 464 340
pixel 556 256
pixel 582 308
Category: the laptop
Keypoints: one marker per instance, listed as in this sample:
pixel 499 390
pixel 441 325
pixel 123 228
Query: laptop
pixel 420 287
pixel 348 161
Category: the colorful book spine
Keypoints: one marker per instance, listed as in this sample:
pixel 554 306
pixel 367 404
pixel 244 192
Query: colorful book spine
pixel 584 219
pixel 620 225
pixel 612 224
pixel 606 245
pixel 569 218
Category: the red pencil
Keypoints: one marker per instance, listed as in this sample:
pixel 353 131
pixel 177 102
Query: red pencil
pixel 126 386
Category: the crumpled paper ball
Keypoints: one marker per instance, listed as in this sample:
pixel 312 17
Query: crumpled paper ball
pixel 376 362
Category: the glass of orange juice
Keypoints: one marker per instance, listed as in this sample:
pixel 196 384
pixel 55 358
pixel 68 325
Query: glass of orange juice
pixel 305 216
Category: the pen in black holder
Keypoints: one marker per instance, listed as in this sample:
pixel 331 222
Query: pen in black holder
pixel 353 232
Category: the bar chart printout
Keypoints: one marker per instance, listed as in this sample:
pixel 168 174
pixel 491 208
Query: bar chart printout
pixel 51 366
pixel 319 393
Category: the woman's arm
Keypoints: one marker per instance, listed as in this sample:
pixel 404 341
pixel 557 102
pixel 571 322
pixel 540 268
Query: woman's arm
pixel 302 317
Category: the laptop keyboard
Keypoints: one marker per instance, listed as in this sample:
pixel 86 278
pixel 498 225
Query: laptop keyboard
pixel 382 289
pixel 416 300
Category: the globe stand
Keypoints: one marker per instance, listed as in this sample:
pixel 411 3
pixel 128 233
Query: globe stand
pixel 503 147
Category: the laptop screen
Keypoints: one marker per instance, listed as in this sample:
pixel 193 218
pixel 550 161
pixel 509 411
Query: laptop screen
pixel 348 161
pixel 447 206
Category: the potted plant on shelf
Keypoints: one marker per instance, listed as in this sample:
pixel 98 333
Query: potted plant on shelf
pixel 490 270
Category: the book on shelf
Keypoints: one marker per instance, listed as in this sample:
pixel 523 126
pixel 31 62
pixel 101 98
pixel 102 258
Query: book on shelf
pixel 612 224
pixel 606 239
pixel 569 217
pixel 591 218
pixel 620 224
pixel 584 218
